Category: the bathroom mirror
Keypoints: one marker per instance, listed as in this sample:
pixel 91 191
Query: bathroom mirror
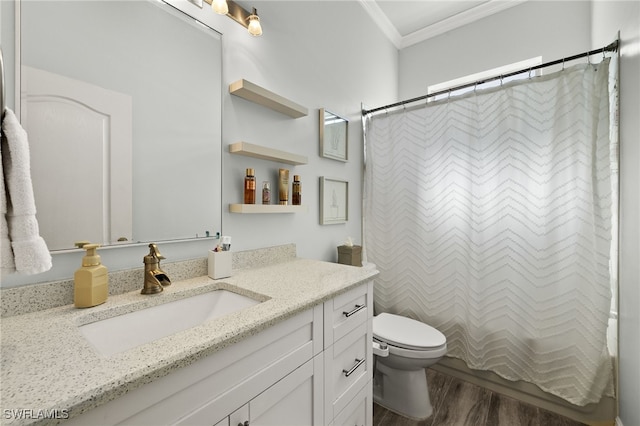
pixel 122 104
pixel 333 136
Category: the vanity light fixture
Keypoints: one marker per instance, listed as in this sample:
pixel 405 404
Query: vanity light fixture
pixel 255 29
pixel 220 6
pixel 250 21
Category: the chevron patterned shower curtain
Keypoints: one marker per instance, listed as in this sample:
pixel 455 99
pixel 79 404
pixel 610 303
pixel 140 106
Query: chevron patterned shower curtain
pixel 489 217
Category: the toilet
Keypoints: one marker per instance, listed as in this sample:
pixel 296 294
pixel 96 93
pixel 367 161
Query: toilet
pixel 403 348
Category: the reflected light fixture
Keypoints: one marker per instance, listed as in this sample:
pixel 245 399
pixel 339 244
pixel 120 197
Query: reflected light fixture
pixel 233 10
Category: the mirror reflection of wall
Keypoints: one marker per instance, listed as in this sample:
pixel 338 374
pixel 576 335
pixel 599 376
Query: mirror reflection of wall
pixel 122 104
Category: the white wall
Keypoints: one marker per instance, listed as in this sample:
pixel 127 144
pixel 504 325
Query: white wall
pixel 313 54
pixel 321 61
pixel 551 29
pixel 609 17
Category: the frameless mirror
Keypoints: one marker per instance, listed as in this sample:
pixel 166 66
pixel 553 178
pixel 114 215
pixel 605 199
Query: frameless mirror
pixel 333 136
pixel 122 104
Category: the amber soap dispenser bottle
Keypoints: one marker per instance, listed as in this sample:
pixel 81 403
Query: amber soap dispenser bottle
pixel 91 281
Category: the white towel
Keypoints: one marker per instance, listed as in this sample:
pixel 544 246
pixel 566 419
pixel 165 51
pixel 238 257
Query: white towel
pixel 7 265
pixel 30 252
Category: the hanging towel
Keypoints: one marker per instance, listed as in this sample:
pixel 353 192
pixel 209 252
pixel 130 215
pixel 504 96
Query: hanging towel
pixel 30 252
pixel 7 265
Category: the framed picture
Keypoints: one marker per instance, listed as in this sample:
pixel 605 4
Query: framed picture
pixel 333 136
pixel 334 201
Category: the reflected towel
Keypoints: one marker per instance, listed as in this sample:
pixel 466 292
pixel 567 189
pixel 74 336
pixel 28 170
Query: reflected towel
pixel 30 252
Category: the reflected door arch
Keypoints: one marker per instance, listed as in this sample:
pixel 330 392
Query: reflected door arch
pixel 80 138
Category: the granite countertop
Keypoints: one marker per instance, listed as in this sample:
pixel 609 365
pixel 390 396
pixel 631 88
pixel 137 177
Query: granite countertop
pixel 48 365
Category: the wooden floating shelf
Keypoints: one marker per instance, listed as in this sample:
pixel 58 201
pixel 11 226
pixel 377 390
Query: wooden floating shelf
pixel 266 208
pixel 254 93
pixel 264 153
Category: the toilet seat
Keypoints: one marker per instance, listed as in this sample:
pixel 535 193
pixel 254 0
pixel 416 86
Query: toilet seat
pixel 408 334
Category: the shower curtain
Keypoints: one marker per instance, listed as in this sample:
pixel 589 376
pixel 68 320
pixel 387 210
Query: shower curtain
pixel 490 216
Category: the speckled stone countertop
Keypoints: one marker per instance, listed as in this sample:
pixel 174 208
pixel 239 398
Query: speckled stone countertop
pixel 48 365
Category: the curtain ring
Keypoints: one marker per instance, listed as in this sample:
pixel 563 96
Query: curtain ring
pixel 475 87
pixel 589 59
pixel 529 73
pixel 500 79
pixel 603 56
pixel 562 64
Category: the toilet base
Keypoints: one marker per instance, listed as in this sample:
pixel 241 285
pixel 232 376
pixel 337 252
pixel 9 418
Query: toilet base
pixel 404 392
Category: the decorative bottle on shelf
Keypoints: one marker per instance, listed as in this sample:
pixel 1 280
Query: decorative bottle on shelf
pixel 266 192
pixel 296 191
pixel 283 187
pixel 250 187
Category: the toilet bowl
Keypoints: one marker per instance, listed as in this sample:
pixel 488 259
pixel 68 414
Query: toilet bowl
pixel 403 348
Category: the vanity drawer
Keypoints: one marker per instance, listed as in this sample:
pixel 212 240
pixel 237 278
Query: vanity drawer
pixel 346 312
pixel 359 411
pixel 348 367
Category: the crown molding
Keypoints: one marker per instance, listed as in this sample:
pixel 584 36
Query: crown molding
pixel 382 22
pixel 481 11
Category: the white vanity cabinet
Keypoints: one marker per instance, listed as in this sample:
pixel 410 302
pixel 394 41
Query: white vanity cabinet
pixel 348 354
pixel 294 372
pixel 294 400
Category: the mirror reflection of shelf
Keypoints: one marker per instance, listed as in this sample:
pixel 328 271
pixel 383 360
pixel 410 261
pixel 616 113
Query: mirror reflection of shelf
pixel 266 208
pixel 264 153
pixel 261 96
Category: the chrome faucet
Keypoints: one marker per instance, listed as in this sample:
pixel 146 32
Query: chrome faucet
pixel 155 278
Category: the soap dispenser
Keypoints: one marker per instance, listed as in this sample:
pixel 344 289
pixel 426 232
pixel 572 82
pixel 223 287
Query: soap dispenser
pixel 91 281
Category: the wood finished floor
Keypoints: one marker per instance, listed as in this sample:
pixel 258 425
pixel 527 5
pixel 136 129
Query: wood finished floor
pixel 459 403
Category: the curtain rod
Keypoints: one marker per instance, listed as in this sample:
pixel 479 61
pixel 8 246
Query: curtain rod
pixel 610 48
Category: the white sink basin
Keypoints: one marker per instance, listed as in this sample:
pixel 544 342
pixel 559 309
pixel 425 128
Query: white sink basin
pixel 120 333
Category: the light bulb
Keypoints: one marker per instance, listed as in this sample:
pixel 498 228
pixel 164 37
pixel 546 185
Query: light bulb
pixel 254 27
pixel 220 6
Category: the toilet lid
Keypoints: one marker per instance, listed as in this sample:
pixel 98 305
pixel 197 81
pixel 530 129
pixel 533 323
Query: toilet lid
pixel 406 332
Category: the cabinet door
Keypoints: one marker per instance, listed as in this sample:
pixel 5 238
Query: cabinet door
pixel 239 417
pixel 359 411
pixel 223 422
pixel 294 400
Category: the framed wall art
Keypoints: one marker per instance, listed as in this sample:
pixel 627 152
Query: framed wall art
pixel 334 131
pixel 334 201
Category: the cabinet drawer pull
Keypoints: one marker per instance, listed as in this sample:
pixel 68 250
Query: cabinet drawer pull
pixel 355 310
pixel 358 363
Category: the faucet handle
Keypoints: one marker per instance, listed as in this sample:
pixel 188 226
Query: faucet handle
pixel 155 252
